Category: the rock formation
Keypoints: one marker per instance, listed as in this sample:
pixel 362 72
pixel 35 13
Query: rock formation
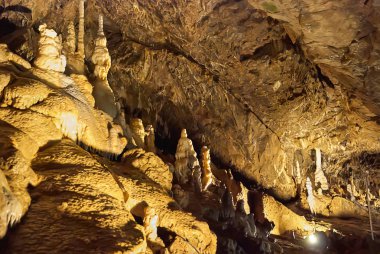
pixel 310 196
pixel 75 61
pixel 319 175
pixel 149 140
pixel 181 196
pixel 227 213
pixel 81 31
pixel 185 158
pixel 206 168
pixel 289 100
pixel 104 97
pixel 7 56
pixel 150 223
pixel 49 56
pixel 196 179
pixel 138 132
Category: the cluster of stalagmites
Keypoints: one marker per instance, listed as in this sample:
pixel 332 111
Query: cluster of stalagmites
pixel 321 197
pixel 231 213
pixel 47 102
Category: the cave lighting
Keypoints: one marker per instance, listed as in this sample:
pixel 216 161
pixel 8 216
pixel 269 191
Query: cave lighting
pixel 312 239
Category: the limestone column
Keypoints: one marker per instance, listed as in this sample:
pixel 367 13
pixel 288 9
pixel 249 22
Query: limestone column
pixel 81 29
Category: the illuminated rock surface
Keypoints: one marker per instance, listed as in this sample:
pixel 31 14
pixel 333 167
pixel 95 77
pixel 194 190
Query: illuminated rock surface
pixel 280 91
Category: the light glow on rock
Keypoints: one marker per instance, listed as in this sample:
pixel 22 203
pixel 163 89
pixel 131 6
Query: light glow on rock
pixel 312 239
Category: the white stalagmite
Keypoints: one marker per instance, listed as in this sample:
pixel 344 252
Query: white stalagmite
pixel 101 57
pixel 138 132
pixel 81 29
pixel 310 196
pixel 185 156
pixel 150 223
pixel 319 175
pixel 75 53
pixel 103 94
pixel 49 56
pixel 100 25
pixel 297 173
pixel 206 168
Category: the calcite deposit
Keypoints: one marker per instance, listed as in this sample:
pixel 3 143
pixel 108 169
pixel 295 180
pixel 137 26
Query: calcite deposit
pixel 189 126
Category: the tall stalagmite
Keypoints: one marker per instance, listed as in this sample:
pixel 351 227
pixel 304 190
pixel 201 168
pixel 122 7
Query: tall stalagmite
pixel 103 94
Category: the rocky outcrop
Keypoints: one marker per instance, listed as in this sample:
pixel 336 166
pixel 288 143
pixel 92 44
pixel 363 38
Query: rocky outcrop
pixel 151 165
pixel 88 194
pixel 82 194
pixel 39 107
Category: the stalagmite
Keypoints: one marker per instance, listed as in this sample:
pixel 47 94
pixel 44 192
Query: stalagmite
pixel 150 139
pixel 100 57
pixel 197 179
pixel 350 191
pixel 150 223
pixel 310 196
pixel 251 221
pixel 319 175
pixel 103 94
pixel 369 204
pixel 185 156
pixel 227 213
pixel 81 30
pixel 181 196
pixel 70 42
pixel 138 132
pixel 298 173
pixel 75 61
pixel 241 220
pixel 206 168
pixel 49 56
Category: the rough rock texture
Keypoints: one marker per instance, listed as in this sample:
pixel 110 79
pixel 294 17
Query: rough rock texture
pixel 82 195
pixel 151 165
pixel 263 83
pixel 342 38
pixel 84 192
pixel 267 79
pixel 228 72
pixel 37 108
pixel 77 207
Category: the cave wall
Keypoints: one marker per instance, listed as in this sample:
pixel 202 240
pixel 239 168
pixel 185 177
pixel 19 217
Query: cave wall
pixel 243 81
pixel 263 84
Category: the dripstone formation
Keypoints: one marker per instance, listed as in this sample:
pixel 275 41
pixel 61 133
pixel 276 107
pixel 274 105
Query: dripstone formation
pixel 189 126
